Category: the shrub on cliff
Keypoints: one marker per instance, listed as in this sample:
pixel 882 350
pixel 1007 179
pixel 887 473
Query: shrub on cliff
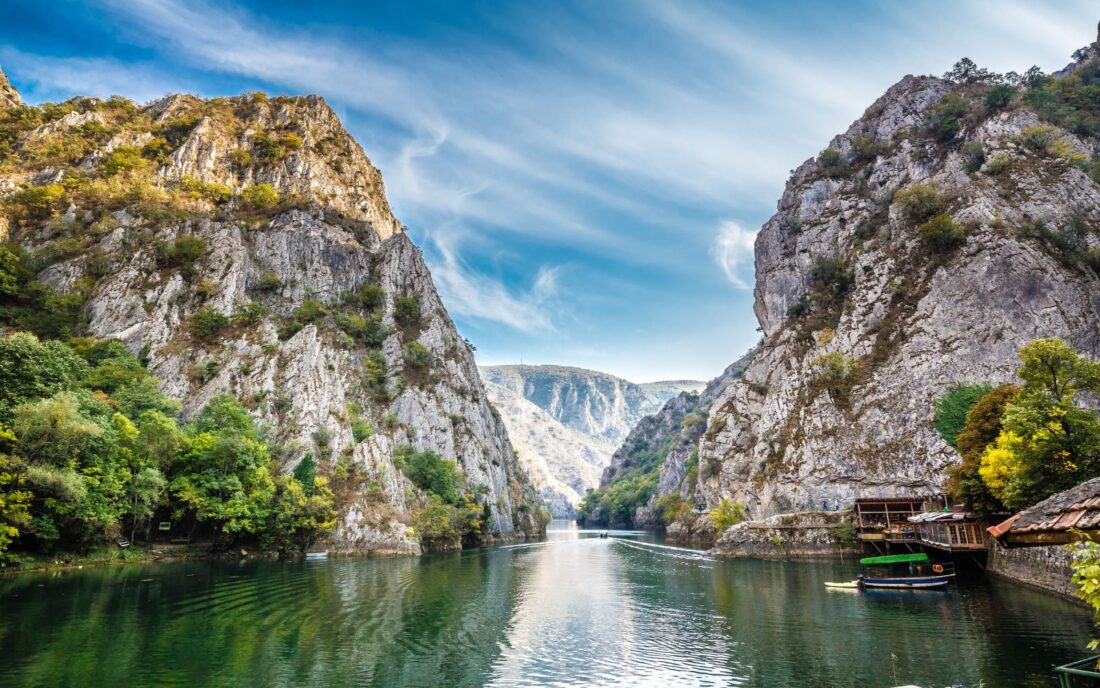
pixel 727 513
pixel 260 197
pixel 942 234
pixel 671 507
pixel 919 202
pixel 944 119
pixel 837 374
pixel 207 323
pixel 430 472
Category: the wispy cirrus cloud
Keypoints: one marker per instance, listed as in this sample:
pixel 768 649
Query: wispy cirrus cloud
pixel 733 249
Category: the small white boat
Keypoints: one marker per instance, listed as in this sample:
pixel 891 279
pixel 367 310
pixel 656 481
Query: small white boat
pixel 846 585
pixel 314 556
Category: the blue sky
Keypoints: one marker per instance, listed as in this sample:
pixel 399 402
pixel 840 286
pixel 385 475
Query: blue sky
pixel 586 178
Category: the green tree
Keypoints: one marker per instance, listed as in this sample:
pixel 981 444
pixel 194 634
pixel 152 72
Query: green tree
pixel 31 369
pixel 15 499
pixel 298 515
pixel 430 472
pixel 727 513
pixel 982 427
pixel 306 472
pixel 1048 442
pixel 952 409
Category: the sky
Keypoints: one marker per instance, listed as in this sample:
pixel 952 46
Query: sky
pixel 585 178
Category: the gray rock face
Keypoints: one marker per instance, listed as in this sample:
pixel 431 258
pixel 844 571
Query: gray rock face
pixel 915 320
pixel 566 422
pixel 333 234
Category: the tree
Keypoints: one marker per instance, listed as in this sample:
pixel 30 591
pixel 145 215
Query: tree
pixel 298 515
pixel 15 500
pixel 966 71
pixel 31 369
pixel 430 472
pixel 1048 443
pixel 981 429
pixel 306 472
pixel 727 513
pixel 952 409
pixel 144 491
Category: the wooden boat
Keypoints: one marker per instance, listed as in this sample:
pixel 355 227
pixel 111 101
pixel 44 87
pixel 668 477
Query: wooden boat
pixel 846 585
pixel 922 574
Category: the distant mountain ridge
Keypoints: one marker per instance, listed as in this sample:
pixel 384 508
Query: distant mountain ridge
pixel 565 422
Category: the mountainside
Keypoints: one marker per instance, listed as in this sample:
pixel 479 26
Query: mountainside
pixel 659 454
pixel 245 246
pixel 953 222
pixel 566 422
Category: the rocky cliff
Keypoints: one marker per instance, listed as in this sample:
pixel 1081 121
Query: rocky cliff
pixel 245 245
pixel 566 422
pixel 953 222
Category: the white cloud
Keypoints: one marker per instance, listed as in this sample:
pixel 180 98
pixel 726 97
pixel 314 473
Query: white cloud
pixel 52 77
pixel 733 249
pixel 467 292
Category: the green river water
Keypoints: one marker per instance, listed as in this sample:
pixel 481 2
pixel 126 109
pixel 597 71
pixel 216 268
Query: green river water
pixel 574 610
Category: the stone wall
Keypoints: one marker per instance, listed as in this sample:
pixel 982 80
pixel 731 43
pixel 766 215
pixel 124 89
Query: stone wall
pixel 1047 568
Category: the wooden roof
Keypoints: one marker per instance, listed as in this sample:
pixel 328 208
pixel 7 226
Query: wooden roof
pixel 1051 520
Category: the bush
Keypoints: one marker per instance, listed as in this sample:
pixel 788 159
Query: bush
pixel 828 275
pixel 944 119
pixel 832 163
pixel 799 308
pixel 406 311
pixel 973 156
pixel 941 233
pixel 727 513
pixel 866 148
pixel 1038 138
pixel 837 374
pixel 997 165
pixel 184 252
pixel 249 314
pixel 213 193
pixel 269 281
pixel 430 472
pixel 999 96
pixel 952 407
pixel 371 296
pixel 122 159
pixel 207 322
pixel 671 507
pixel 919 202
pixel 36 202
pixel 240 158
pixel 417 357
pixel 260 196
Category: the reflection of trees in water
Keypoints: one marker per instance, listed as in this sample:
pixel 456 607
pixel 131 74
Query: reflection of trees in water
pixel 576 611
pixel 433 621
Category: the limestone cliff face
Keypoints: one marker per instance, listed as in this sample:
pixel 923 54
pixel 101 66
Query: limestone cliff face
pixel 566 422
pixel 842 271
pixel 325 271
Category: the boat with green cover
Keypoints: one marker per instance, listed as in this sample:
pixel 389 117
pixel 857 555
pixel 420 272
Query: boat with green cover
pixel 922 575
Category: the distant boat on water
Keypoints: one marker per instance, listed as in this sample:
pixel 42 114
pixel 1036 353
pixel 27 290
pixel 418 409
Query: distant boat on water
pixel 314 556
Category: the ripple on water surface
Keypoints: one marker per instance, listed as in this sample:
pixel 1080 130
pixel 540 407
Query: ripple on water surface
pixel 576 610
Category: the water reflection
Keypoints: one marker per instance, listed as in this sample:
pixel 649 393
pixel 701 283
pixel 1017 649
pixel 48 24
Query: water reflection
pixel 576 610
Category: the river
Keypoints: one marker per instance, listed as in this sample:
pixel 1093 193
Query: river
pixel 575 610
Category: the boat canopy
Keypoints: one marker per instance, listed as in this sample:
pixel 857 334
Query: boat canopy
pixel 894 559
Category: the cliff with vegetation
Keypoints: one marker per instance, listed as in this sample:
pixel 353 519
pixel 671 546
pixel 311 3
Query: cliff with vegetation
pixel 244 247
pixel 566 422
pixel 659 458
pixel 955 221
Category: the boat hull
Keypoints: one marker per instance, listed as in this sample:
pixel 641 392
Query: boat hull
pixel 908 582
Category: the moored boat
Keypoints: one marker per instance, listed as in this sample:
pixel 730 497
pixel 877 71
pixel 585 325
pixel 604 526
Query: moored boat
pixel 314 556
pixel 923 575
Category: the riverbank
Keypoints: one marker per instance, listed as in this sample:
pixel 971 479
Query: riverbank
pixel 801 535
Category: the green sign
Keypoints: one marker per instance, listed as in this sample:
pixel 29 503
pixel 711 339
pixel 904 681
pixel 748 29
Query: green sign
pixel 164 525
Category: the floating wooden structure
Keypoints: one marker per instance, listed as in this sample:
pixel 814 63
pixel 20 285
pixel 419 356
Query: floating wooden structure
pixel 886 519
pixel 953 531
